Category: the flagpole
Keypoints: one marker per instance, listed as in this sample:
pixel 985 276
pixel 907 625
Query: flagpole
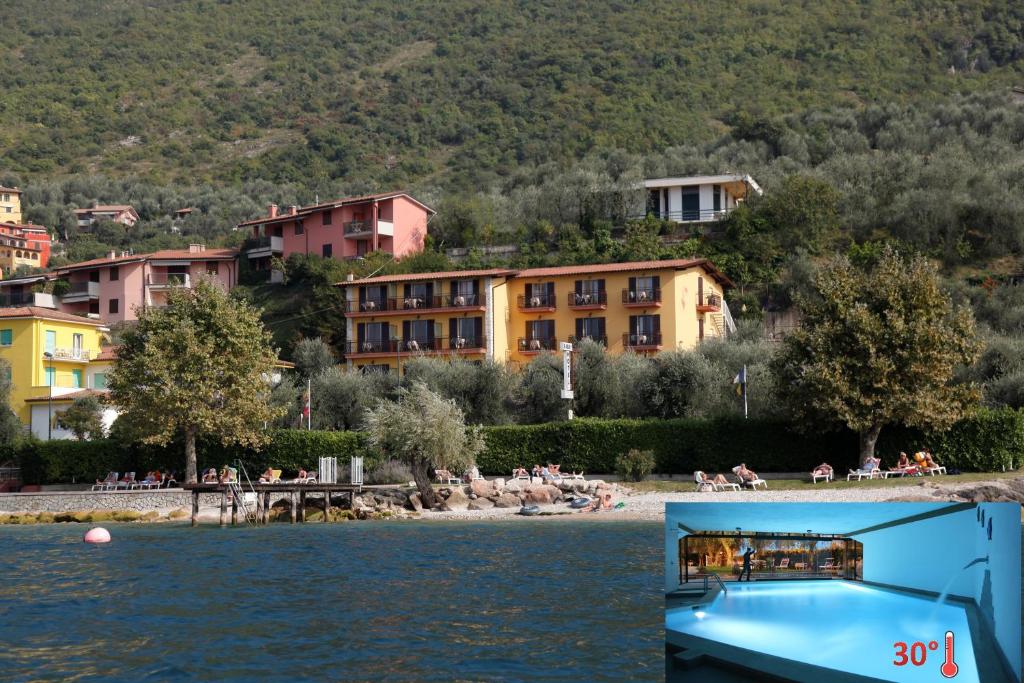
pixel 744 392
pixel 309 405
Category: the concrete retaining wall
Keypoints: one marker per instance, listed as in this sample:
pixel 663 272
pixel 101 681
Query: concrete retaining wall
pixel 70 501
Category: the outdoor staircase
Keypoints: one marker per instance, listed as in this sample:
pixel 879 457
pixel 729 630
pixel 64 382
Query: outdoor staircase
pixel 238 494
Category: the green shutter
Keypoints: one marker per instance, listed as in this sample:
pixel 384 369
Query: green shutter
pixel 6 337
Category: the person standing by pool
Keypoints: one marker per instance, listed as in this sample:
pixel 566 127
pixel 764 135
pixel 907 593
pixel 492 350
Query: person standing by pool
pixel 746 564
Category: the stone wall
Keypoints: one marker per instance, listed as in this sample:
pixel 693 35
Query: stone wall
pixel 70 501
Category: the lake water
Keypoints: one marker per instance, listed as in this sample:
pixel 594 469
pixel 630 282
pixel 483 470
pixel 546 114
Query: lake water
pixel 525 600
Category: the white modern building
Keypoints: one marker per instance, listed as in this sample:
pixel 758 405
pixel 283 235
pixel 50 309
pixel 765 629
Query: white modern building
pixel 699 198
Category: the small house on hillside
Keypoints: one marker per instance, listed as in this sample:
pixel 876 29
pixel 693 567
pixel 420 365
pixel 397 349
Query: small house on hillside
pixel 119 213
pixel 697 198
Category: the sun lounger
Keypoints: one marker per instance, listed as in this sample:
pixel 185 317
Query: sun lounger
pixel 107 484
pixel 860 474
pixel 932 470
pixel 127 483
pixel 784 563
pixel 446 477
pixel 752 484
pixel 702 485
pixel 827 476
pixel 525 477
pixel 310 478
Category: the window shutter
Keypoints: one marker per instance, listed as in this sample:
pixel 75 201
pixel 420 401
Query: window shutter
pixel 429 289
pixel 579 327
pixel 600 327
pixel 453 328
pixel 550 289
pixel 476 286
pixel 549 326
pixel 656 282
pixel 528 329
pixel 436 331
pixel 362 294
pixel 600 285
pixel 361 332
pixel 579 287
pixel 632 324
pixel 478 329
pixel 405 330
pixel 656 322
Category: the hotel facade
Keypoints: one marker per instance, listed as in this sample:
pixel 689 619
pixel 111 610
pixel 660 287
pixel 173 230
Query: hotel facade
pixel 513 315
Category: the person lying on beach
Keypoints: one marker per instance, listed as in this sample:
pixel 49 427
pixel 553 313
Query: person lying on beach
pixel 210 477
pixel 745 474
pixel 603 501
pixel 823 469
pixel 554 469
pixel 871 464
pixel 519 472
pixel 267 477
pixel 537 470
pixel 303 475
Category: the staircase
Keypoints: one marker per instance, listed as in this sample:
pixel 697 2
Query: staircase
pixel 238 495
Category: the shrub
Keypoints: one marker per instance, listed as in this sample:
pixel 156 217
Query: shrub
pixel 635 465
pixel 389 472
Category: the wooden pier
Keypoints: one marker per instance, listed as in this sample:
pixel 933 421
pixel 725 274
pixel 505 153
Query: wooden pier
pixel 297 494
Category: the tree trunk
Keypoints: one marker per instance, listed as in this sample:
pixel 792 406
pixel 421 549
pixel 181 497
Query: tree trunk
pixel 424 483
pixel 190 456
pixel 868 439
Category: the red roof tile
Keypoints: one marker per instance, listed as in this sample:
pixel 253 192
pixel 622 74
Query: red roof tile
pixel 107 353
pixel 313 208
pixel 444 275
pixel 104 208
pixel 164 255
pixel 673 264
pixel 47 314
pixel 69 396
pixel 9 189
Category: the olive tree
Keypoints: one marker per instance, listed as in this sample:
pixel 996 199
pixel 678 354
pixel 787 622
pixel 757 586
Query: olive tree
pixel 425 431
pixel 83 418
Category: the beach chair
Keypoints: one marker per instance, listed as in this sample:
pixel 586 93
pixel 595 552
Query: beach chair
pixel 127 483
pixel 574 476
pixel 827 477
pixel 748 484
pixel 860 474
pixel 932 470
pixel 698 479
pixel 830 565
pixel 446 477
pixel 310 478
pixel 524 477
pixel 107 484
pixel 784 563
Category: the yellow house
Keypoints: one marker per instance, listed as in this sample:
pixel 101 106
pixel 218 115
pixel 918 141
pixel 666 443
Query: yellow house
pixel 51 354
pixel 10 205
pixel 511 316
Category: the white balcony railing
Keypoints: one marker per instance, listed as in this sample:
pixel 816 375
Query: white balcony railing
pixel 169 280
pixel 73 354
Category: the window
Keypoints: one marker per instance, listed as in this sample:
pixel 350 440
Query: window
pixel 7 198
pixel 76 343
pixel 300 228
pixel 540 334
pixel 326 215
pixel 465 292
pixel 716 197
pixel 211 268
pixel 588 292
pixel 51 377
pixel 372 298
pixel 418 335
pixel 540 295
pixel 99 380
pixel 94 276
pixel 590 328
pixel 94 307
pixel 644 330
pixel 691 204
pixel 466 333
pixel 51 341
pixel 373 337
pixel 114 304
pixel 328 250
pixel 76 378
pixel 6 337
pixel 644 289
pixel 382 369
pixel 418 295
pixel 114 273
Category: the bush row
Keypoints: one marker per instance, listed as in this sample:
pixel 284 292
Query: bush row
pixel 990 440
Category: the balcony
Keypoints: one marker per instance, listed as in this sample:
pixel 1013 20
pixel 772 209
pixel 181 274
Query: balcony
pixel 588 301
pixel 168 281
pixel 412 304
pixel 392 347
pixel 14 299
pixel 641 298
pixel 650 341
pixel 358 229
pixel 538 303
pixel 262 247
pixel 603 341
pixel 690 215
pixel 72 354
pixel 709 303
pixel 536 344
pixel 79 292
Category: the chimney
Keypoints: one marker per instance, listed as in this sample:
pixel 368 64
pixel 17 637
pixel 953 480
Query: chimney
pixel 292 210
pixel 124 253
pixel 272 211
pixel 95 204
pixel 351 277
pixel 112 254
pixel 196 248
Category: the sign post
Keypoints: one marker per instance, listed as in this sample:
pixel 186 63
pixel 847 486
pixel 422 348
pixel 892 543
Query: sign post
pixel 567 393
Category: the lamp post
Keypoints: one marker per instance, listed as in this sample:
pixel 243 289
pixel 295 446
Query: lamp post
pixel 50 378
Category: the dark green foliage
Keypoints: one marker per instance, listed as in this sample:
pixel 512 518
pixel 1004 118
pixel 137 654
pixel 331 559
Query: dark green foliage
pixel 635 465
pixel 83 418
pixel 312 357
pixel 10 426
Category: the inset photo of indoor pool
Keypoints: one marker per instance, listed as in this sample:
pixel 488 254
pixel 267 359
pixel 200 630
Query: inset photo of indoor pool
pixel 843 592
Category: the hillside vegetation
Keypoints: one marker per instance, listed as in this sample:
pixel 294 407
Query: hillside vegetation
pixel 346 96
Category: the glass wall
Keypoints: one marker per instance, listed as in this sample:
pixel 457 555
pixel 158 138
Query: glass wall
pixel 776 556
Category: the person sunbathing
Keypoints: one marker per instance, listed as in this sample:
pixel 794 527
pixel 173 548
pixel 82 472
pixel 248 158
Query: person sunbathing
pixel 537 470
pixel 603 501
pixel 519 472
pixel 824 469
pixel 903 462
pixel 303 475
pixel 553 469
pixel 745 474
pixel 929 463
pixel 718 479
pixel 267 477
pixel 210 477
pixel 871 464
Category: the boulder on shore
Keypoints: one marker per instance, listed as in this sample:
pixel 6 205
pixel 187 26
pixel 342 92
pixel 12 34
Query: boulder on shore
pixel 415 503
pixel 507 500
pixel 513 486
pixel 458 500
pixel 481 487
pixel 480 504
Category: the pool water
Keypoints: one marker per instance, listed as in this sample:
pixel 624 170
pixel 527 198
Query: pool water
pixel 835 624
pixel 397 601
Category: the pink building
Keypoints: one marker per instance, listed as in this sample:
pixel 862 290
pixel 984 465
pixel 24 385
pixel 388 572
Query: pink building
pixel 113 288
pixel 344 228
pixel 119 213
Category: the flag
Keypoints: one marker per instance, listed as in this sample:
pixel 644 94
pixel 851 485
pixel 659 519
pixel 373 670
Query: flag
pixel 740 381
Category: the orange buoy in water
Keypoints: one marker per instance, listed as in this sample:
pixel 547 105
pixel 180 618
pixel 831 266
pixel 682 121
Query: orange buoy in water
pixel 97 535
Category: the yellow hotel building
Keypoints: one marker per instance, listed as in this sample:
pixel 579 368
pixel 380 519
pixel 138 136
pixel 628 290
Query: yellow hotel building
pixel 10 205
pixel 48 350
pixel 513 315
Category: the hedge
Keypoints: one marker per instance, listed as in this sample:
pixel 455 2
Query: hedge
pixel 989 440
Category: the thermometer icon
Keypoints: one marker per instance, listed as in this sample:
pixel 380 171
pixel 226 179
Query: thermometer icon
pixel 949 667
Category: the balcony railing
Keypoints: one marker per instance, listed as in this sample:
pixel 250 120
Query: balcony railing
pixel 536 302
pixel 709 303
pixel 81 291
pixel 649 340
pixel 641 297
pixel 41 299
pixel 414 303
pixel 537 344
pixel 353 228
pixel 71 354
pixel 416 345
pixel 169 280
pixel 603 341
pixel 267 245
pixel 689 215
pixel 588 300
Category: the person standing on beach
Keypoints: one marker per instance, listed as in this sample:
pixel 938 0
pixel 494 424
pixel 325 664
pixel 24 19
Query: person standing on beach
pixel 746 564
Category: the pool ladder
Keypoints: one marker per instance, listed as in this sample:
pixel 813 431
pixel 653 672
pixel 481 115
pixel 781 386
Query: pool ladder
pixel 239 495
pixel 718 579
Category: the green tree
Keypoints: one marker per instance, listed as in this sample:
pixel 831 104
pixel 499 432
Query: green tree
pixel 539 395
pixel 341 397
pixel 425 431
pixel 312 357
pixel 196 367
pixel 10 426
pixel 83 418
pixel 879 347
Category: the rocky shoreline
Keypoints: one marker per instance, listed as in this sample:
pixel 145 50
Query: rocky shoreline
pixel 502 499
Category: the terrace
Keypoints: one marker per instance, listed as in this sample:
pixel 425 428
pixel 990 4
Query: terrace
pixel 418 304
pixel 641 298
pixel 372 348
pixel 537 303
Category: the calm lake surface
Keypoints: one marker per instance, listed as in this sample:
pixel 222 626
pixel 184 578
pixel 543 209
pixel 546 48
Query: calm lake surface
pixel 527 600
